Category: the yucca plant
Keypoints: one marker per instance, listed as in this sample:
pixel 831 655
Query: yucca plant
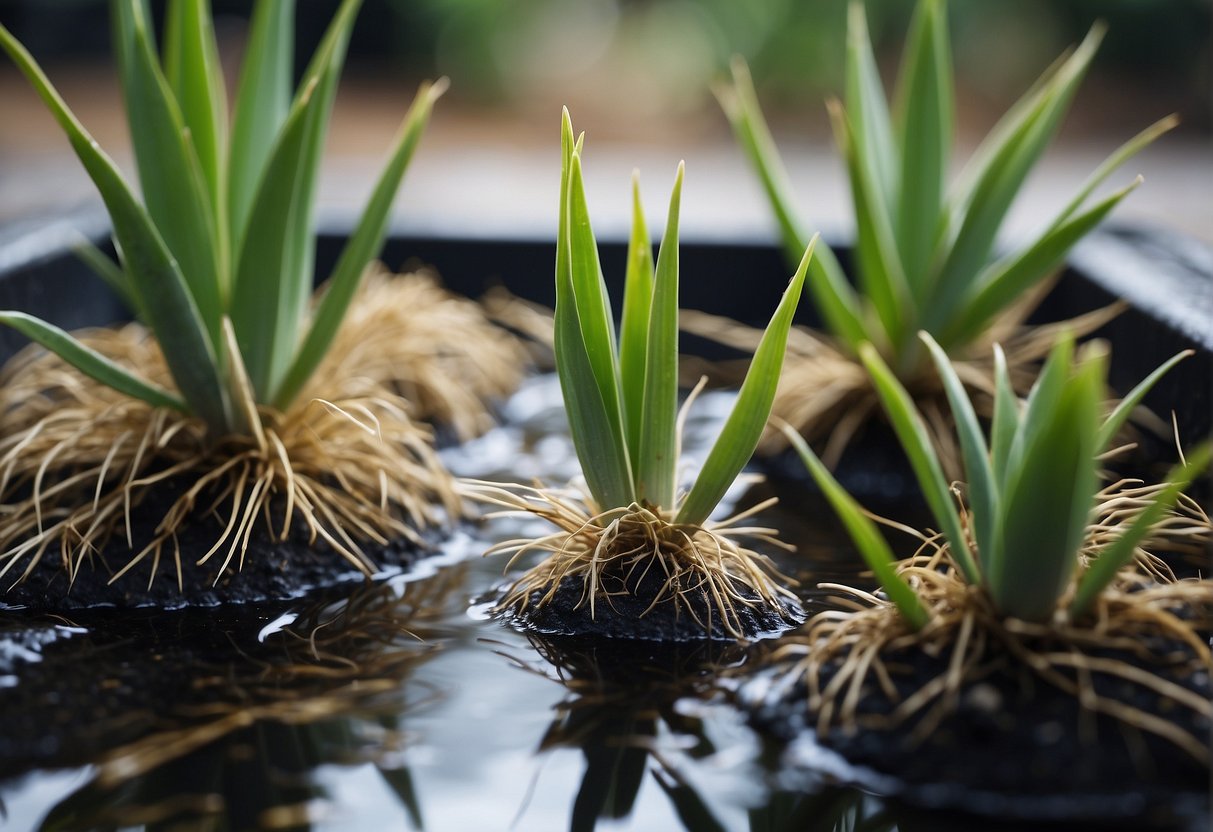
pixel 925 255
pixel 217 263
pixel 621 394
pixel 1035 550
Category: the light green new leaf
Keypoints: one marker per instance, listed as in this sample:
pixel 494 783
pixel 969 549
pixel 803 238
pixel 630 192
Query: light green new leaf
pixel 983 491
pixel 868 539
pixel 1042 400
pixel 746 422
pixel 634 330
pixel 916 442
pixel 274 266
pixel 657 465
pixel 868 110
pixel 191 65
pixel 1117 554
pixel 170 175
pixel 597 437
pixel 924 124
pixel 361 248
pixel 1005 424
pixel 167 305
pixel 89 361
pixel 1047 499
pixel 1118 416
pixel 593 307
pixel 263 99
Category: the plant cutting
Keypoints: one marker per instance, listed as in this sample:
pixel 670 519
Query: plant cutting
pixel 226 407
pixel 632 545
pixel 1033 564
pixel 924 256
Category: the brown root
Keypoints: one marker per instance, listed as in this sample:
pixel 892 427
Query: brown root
pixel 613 550
pixel 436 350
pixel 1147 621
pixel 826 394
pixel 76 458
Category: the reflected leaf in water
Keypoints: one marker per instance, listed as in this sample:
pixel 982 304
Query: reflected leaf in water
pixel 622 699
pixel 832 809
pixel 240 750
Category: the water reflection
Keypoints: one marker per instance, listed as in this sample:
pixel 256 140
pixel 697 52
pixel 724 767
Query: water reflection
pixel 225 727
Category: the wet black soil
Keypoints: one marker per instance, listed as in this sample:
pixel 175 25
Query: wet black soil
pixel 270 570
pixel 1018 747
pixel 624 613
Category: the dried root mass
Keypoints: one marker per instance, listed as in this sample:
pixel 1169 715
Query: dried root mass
pixel 614 552
pixel 1148 631
pixel 347 465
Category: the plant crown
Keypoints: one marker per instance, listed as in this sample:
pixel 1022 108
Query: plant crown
pixel 621 393
pixel 217 260
pixel 1031 484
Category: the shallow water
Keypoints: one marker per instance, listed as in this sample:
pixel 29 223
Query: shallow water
pixel 470 725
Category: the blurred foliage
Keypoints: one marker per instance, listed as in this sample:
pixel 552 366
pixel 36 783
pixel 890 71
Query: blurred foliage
pixel 504 52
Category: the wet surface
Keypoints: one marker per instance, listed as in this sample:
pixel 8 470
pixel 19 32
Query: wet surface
pixel 403 705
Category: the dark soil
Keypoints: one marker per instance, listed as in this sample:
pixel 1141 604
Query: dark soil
pixel 1019 748
pixel 622 615
pixel 272 569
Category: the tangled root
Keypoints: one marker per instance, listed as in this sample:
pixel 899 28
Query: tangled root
pixel 436 350
pixel 1146 615
pixel 612 551
pixel 827 395
pixel 76 458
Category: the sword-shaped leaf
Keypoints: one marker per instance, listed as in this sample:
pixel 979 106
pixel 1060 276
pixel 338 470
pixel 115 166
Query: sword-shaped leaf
pixel 362 246
pixel 867 538
pixel 657 465
pixel 634 330
pixel 274 266
pixel 746 422
pixel 263 99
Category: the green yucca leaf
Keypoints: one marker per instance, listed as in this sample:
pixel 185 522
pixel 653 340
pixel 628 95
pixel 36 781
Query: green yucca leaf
pixel 868 539
pixel 170 176
pixel 596 429
pixel 748 418
pixel 634 330
pixel 1116 419
pixel 916 442
pixel 1005 423
pixel 263 99
pixel 998 182
pixel 833 295
pixel 881 276
pixel 983 490
pixel 1047 497
pixel 1001 283
pixel 657 465
pixel 924 117
pixel 1042 399
pixel 1117 554
pixel 191 65
pixel 273 276
pixel 89 361
pixel 740 104
pixel 593 305
pixel 363 243
pixel 868 110
pixel 167 304
pixel 1118 157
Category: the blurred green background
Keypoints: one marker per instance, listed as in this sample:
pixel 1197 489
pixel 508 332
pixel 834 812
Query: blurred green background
pixel 663 54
